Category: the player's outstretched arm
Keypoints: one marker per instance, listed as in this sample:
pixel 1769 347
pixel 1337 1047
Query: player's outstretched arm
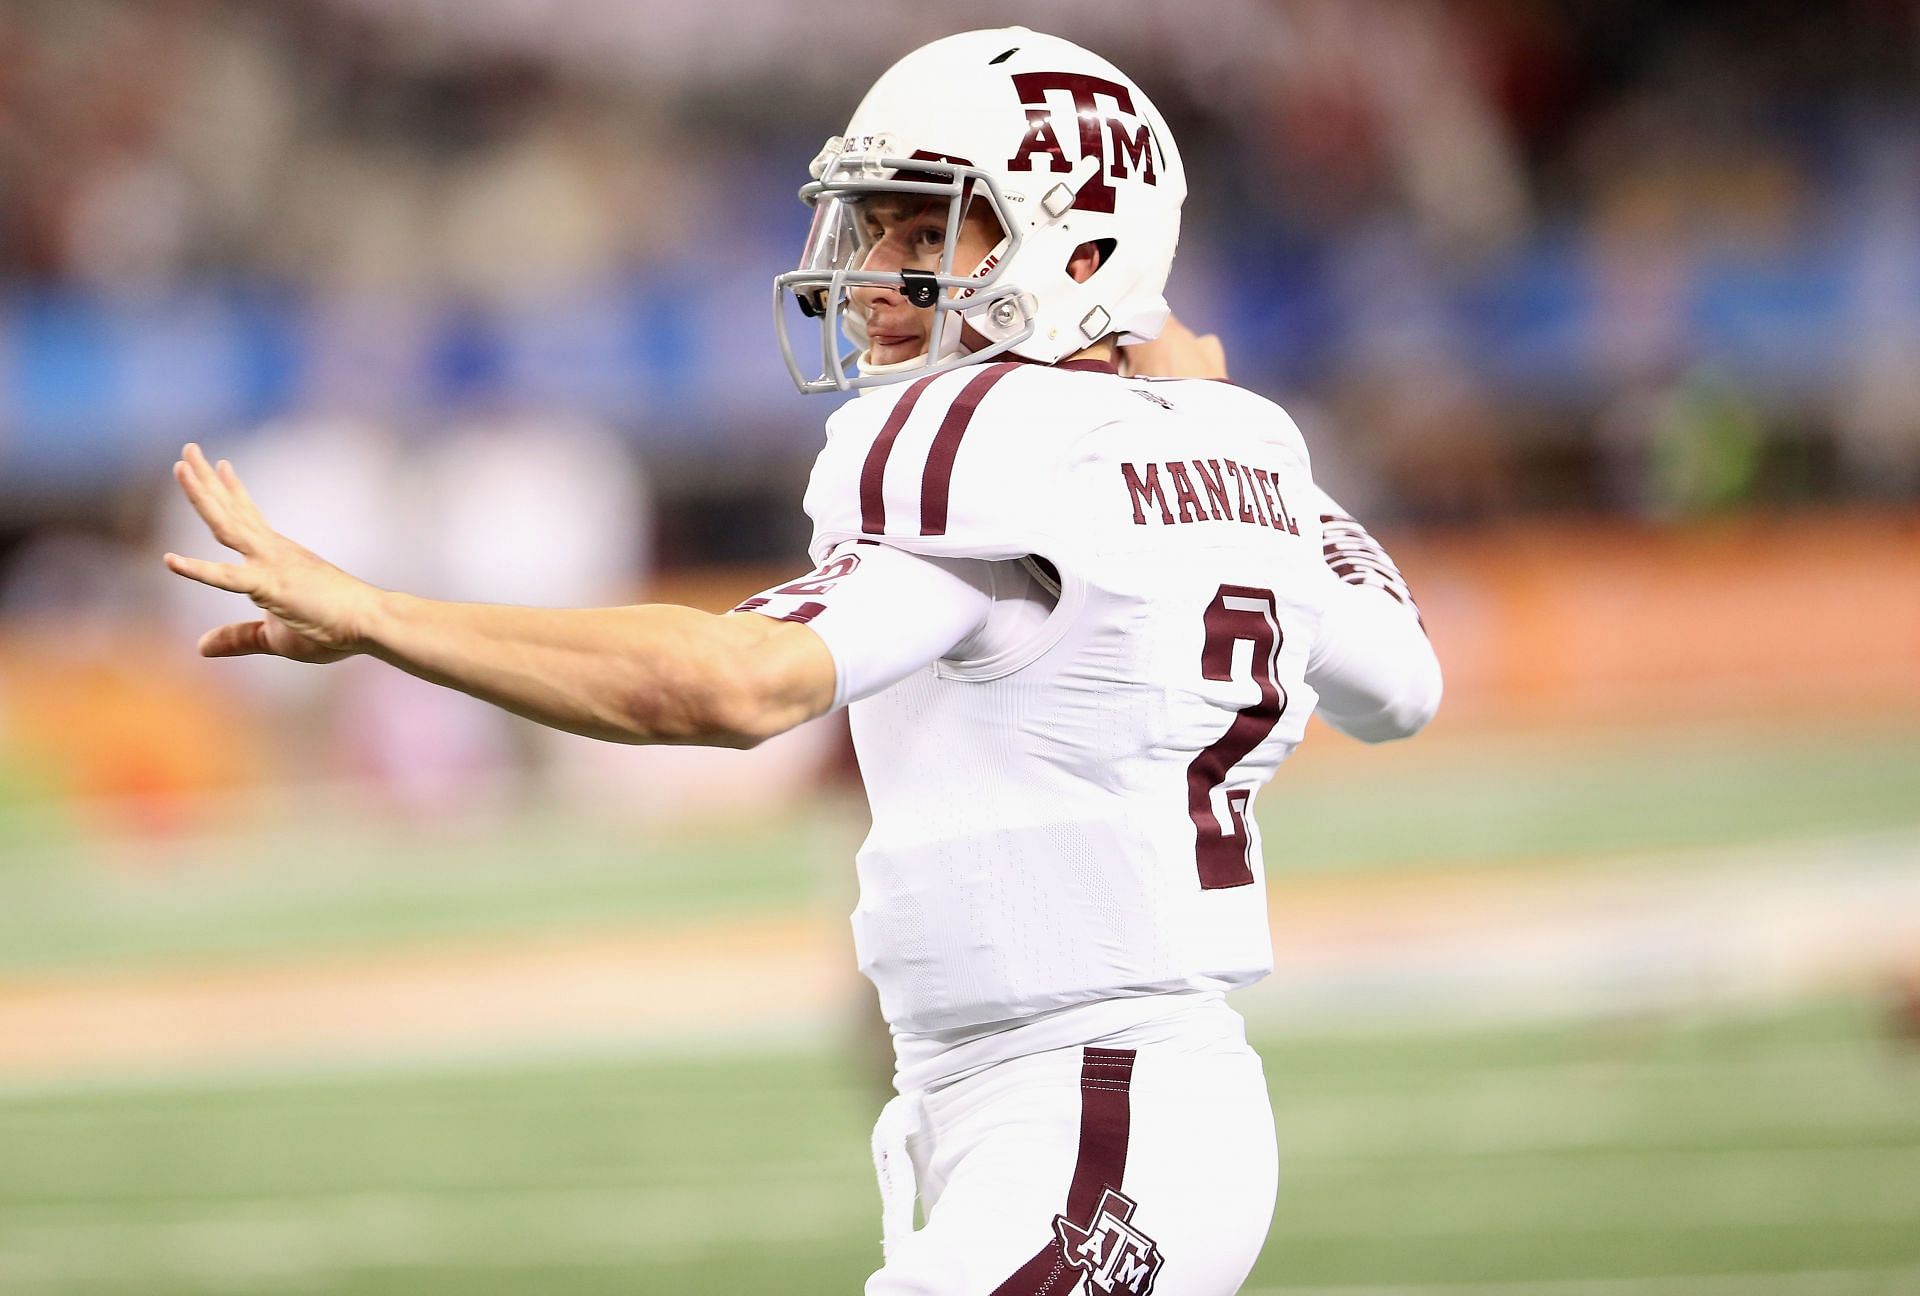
pixel 657 674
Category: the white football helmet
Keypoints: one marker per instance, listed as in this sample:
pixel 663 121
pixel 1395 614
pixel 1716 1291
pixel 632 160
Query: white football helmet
pixel 1061 147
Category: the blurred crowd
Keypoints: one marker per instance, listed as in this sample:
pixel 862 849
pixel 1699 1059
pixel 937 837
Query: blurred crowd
pixel 1513 254
pixel 396 146
pixel 143 143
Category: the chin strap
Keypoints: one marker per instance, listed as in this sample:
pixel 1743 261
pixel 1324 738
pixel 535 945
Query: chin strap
pixel 868 369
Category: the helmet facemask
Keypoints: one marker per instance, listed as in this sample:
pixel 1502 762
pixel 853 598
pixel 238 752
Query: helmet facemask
pixel 859 196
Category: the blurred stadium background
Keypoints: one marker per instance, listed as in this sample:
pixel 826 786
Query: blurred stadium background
pixel 1605 316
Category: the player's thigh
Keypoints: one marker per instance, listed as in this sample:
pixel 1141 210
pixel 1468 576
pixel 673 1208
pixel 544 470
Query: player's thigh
pixel 1202 1168
pixel 995 1165
pixel 1158 1175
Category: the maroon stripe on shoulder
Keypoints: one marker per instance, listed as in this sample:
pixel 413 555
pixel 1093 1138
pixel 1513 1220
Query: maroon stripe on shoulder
pixel 936 482
pixel 1105 1120
pixel 873 473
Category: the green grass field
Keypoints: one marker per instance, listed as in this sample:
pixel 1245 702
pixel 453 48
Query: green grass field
pixel 1756 1150
pixel 1773 1150
pixel 273 884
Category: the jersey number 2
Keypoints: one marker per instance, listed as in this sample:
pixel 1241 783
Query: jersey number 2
pixel 1224 851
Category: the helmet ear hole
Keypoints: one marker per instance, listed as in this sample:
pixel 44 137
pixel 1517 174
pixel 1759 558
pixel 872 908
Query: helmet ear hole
pixel 1081 268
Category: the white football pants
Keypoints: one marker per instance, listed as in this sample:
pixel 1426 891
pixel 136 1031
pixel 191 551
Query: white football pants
pixel 1113 1172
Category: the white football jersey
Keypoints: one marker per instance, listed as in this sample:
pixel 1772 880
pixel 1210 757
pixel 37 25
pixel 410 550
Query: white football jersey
pixel 1072 819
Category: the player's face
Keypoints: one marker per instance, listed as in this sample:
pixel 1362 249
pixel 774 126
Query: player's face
pixel 907 232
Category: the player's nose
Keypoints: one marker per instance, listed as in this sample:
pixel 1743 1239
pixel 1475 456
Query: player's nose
pixel 870 295
pixel 886 253
pixel 884 260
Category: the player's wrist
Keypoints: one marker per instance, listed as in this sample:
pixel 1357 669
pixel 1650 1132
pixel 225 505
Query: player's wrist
pixel 376 624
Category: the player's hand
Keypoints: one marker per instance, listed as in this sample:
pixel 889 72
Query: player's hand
pixel 1176 353
pixel 315 611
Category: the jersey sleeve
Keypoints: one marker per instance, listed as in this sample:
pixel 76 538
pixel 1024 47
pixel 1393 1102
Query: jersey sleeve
pixel 1372 664
pixel 882 612
pixel 1355 557
pixel 958 465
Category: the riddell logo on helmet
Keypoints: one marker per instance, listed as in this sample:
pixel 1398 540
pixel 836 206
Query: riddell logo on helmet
pixel 986 268
pixel 1111 131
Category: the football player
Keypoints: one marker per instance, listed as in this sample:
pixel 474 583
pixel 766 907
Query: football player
pixel 1079 618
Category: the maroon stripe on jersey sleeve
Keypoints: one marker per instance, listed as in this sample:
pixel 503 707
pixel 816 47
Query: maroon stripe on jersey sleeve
pixel 937 481
pixel 1105 1120
pixel 801 615
pixel 1358 559
pixel 805 613
pixel 873 473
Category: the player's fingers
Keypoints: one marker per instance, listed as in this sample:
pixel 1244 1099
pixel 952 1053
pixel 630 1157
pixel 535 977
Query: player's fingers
pixel 213 510
pixel 241 639
pixel 224 576
pixel 217 479
pixel 230 478
pixel 196 461
pixel 219 511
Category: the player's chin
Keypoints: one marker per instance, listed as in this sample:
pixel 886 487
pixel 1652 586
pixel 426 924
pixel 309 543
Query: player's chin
pixel 888 349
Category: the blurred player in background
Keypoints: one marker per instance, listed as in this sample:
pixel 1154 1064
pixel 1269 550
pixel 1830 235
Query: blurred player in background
pixel 1079 617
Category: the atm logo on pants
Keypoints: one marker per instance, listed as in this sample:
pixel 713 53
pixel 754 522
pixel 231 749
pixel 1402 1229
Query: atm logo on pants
pixel 1117 1258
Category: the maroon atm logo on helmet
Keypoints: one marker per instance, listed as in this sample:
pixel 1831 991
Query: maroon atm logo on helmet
pixel 1110 130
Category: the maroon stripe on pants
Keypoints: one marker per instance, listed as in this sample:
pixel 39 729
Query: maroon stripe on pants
pixel 1106 1114
pixel 937 481
pixel 873 473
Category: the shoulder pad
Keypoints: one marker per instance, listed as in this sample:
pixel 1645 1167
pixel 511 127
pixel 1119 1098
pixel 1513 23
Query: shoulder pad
pixel 953 466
